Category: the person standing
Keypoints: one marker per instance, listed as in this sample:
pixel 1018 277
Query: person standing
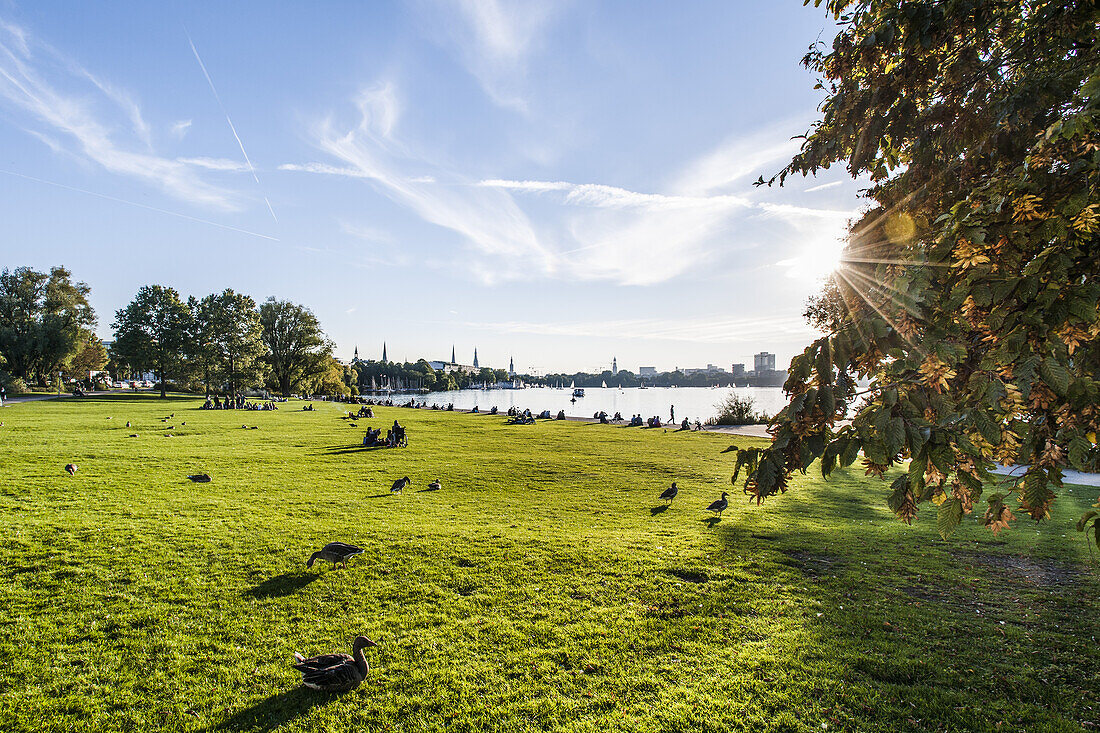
pixel 672 413
pixel 3 394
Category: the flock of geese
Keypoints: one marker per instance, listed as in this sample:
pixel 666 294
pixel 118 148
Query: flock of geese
pixel 343 672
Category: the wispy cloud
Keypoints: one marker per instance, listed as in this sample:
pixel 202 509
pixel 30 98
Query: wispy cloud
pixel 494 39
pixel 80 118
pixel 366 233
pixel 232 127
pixel 560 229
pixel 139 205
pixel 696 330
pixel 488 220
pixel 179 129
pixel 216 164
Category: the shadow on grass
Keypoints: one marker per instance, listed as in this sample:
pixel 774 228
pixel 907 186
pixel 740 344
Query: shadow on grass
pixel 421 491
pixel 379 496
pixel 276 710
pixel 711 521
pixel 654 511
pixel 344 450
pixel 281 585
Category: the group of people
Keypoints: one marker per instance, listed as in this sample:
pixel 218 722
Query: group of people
pixel 238 403
pixel 395 436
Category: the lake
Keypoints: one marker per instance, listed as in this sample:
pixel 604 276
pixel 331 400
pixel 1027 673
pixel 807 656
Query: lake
pixel 694 403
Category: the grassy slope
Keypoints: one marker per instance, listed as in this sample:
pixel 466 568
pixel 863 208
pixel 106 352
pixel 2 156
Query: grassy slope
pixel 535 591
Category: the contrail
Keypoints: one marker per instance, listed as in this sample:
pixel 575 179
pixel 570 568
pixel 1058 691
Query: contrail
pixel 232 127
pixel 140 206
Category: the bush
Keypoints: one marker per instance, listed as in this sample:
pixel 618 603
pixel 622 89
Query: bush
pixel 13 385
pixel 737 410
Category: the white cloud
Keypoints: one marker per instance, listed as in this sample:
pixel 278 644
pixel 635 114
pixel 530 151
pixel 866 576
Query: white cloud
pixel 696 330
pixel 823 186
pixel 494 40
pixel 533 229
pixel 216 164
pixel 179 129
pixel 366 233
pixel 489 220
pixel 80 119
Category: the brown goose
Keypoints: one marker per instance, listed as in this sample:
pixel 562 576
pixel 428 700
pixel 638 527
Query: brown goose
pixel 400 484
pixel 335 672
pixel 335 552
pixel 719 506
pixel 670 493
pixel 71 468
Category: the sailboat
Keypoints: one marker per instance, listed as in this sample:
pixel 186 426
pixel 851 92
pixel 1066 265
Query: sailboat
pixel 603 383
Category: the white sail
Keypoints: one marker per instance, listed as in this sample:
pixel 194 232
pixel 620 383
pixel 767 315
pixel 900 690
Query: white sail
pixel 603 383
pixel 572 384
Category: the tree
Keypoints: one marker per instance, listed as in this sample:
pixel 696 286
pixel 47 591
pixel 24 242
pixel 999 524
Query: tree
pixel 230 339
pixel 43 319
pixel 296 346
pixel 91 357
pixel 331 380
pixel 153 333
pixel 969 288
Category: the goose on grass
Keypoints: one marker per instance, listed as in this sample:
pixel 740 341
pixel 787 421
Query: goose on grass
pixel 335 672
pixel 670 493
pixel 719 506
pixel 335 552
pixel 435 485
pixel 400 484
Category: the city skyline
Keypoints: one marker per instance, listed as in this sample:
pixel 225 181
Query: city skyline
pixel 550 180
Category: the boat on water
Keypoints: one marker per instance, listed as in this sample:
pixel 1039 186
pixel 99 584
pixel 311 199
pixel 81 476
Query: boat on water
pixel 603 383
pixel 578 391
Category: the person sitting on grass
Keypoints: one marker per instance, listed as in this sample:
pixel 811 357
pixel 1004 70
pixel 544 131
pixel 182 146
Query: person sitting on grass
pixel 475 409
pixel 493 410
pixel 561 415
pixel 685 425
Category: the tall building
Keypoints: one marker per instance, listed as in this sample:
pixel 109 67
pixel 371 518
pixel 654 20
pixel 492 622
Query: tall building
pixel 614 365
pixel 764 362
pixel 476 365
pixel 647 371
pixel 511 367
pixel 737 370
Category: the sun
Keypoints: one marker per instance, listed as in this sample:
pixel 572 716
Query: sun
pixel 817 261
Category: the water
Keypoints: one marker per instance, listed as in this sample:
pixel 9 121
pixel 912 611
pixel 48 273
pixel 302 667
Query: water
pixel 694 403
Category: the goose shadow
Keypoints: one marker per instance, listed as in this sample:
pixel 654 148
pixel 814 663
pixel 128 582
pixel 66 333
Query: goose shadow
pixel 711 521
pixel 282 585
pixel 421 491
pixel 277 710
pixel 379 496
pixel 354 449
pixel 654 511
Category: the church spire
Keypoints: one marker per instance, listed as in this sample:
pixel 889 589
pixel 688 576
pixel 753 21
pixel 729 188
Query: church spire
pixel 384 359
pixel 511 366
pixel 453 361
pixel 476 366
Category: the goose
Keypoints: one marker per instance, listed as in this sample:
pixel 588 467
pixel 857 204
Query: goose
pixel 670 493
pixel 335 672
pixel 719 506
pixel 435 485
pixel 128 424
pixel 71 468
pixel 200 478
pixel 400 484
pixel 334 552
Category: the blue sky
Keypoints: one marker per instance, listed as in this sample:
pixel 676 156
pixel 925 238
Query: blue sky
pixel 562 182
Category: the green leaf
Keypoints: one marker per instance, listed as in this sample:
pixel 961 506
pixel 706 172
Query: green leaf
pixel 1078 453
pixel 1055 375
pixel 895 435
pixel 948 517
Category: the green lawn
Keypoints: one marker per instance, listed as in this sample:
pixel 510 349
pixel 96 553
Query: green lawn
pixel 541 589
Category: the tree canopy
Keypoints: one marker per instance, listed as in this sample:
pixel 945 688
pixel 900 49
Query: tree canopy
pixel 297 350
pixel 44 319
pixel 153 332
pixel 968 291
pixel 231 338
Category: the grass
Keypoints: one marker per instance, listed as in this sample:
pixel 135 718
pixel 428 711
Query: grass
pixel 542 588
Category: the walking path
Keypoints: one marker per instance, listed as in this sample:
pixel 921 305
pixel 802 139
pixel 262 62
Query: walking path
pixel 20 398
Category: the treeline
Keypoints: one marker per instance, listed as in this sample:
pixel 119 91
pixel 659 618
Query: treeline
pixel 224 342
pixel 625 378
pixel 46 328
pixel 220 343
pixel 420 375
